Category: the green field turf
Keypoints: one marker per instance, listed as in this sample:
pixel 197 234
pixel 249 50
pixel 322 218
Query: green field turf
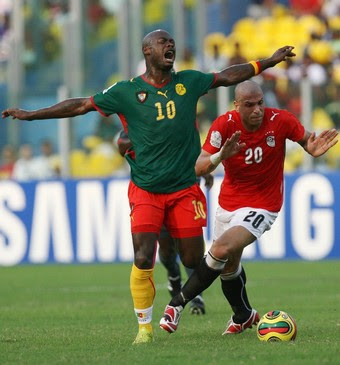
pixel 84 315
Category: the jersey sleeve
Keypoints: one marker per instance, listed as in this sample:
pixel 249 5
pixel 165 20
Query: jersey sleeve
pixel 295 130
pixel 108 101
pixel 217 135
pixel 202 82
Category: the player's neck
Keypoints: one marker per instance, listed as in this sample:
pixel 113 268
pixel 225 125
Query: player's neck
pixel 251 127
pixel 157 77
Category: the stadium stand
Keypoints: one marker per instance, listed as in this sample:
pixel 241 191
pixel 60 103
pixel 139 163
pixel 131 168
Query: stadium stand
pixel 251 31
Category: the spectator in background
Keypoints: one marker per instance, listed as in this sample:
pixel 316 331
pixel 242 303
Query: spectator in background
pixel 330 8
pixel 306 6
pixel 333 106
pixel 23 169
pixel 215 61
pixel 312 71
pixel 46 165
pixel 237 56
pixel 8 158
pixel 4 36
pixel 260 8
pixel 188 62
pixel 95 12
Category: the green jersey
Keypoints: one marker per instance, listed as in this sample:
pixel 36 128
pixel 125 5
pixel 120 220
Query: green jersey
pixel 161 123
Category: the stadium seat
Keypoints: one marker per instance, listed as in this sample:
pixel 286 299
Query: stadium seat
pixel 78 163
pixel 245 30
pixel 312 24
pixel 213 39
pixel 321 51
pixel 321 120
pixel 333 156
pixel 154 11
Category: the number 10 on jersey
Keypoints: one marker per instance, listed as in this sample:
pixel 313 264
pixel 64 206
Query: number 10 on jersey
pixel 170 109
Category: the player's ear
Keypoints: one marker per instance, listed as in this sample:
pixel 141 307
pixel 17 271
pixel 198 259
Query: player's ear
pixel 236 104
pixel 146 50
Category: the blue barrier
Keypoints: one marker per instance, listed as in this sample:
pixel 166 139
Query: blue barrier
pixel 86 221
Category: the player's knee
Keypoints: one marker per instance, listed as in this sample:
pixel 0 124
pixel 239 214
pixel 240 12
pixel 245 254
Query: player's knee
pixel 143 260
pixel 221 250
pixel 191 261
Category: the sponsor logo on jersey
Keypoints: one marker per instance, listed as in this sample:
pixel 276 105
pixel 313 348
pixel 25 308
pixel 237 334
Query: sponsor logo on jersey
pixel 270 141
pixel 180 89
pixel 273 116
pixel 164 94
pixel 141 96
pixel 216 139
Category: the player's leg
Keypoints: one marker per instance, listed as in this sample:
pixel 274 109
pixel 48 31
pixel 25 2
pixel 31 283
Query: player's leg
pixel 185 221
pixel 236 230
pixel 197 305
pixel 168 256
pixel 147 215
pixel 203 276
pixel 142 284
pixel 207 271
pixel 233 283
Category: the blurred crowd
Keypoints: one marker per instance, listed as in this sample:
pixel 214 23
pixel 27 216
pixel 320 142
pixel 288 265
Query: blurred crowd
pixel 97 158
pixel 23 166
pixel 312 26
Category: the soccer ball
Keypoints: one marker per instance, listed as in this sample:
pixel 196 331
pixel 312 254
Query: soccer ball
pixel 276 326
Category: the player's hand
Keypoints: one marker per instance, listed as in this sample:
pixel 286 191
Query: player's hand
pixel 281 54
pixel 319 145
pixel 209 181
pixel 16 113
pixel 232 146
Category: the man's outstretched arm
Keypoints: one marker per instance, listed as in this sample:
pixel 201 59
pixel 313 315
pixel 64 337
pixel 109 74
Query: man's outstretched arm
pixel 318 145
pixel 206 162
pixel 64 109
pixel 244 71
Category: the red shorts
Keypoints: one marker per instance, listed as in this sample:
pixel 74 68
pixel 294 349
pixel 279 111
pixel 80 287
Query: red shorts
pixel 183 212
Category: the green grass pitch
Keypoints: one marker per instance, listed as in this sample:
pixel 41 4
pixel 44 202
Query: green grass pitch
pixel 84 315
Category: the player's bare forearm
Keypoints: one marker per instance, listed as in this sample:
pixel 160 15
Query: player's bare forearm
pixel 64 109
pixel 206 162
pixel 244 71
pixel 234 74
pixel 203 164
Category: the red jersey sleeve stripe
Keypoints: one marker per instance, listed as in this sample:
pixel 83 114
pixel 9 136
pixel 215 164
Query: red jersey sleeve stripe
pixel 214 80
pixel 97 108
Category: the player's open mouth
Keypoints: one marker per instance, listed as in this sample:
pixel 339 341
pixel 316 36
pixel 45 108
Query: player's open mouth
pixel 169 56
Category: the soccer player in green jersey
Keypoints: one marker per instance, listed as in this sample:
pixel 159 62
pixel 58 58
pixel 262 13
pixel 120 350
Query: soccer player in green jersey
pixel 158 111
pixel 167 247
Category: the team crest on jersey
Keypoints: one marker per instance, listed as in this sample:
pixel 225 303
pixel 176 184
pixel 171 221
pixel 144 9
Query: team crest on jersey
pixel 216 139
pixel 180 89
pixel 142 96
pixel 270 141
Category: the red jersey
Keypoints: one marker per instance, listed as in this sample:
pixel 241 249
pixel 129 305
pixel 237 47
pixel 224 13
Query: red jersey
pixel 254 176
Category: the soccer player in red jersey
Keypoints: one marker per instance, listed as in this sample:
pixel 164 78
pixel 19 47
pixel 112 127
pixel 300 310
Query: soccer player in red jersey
pixel 158 112
pixel 250 143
